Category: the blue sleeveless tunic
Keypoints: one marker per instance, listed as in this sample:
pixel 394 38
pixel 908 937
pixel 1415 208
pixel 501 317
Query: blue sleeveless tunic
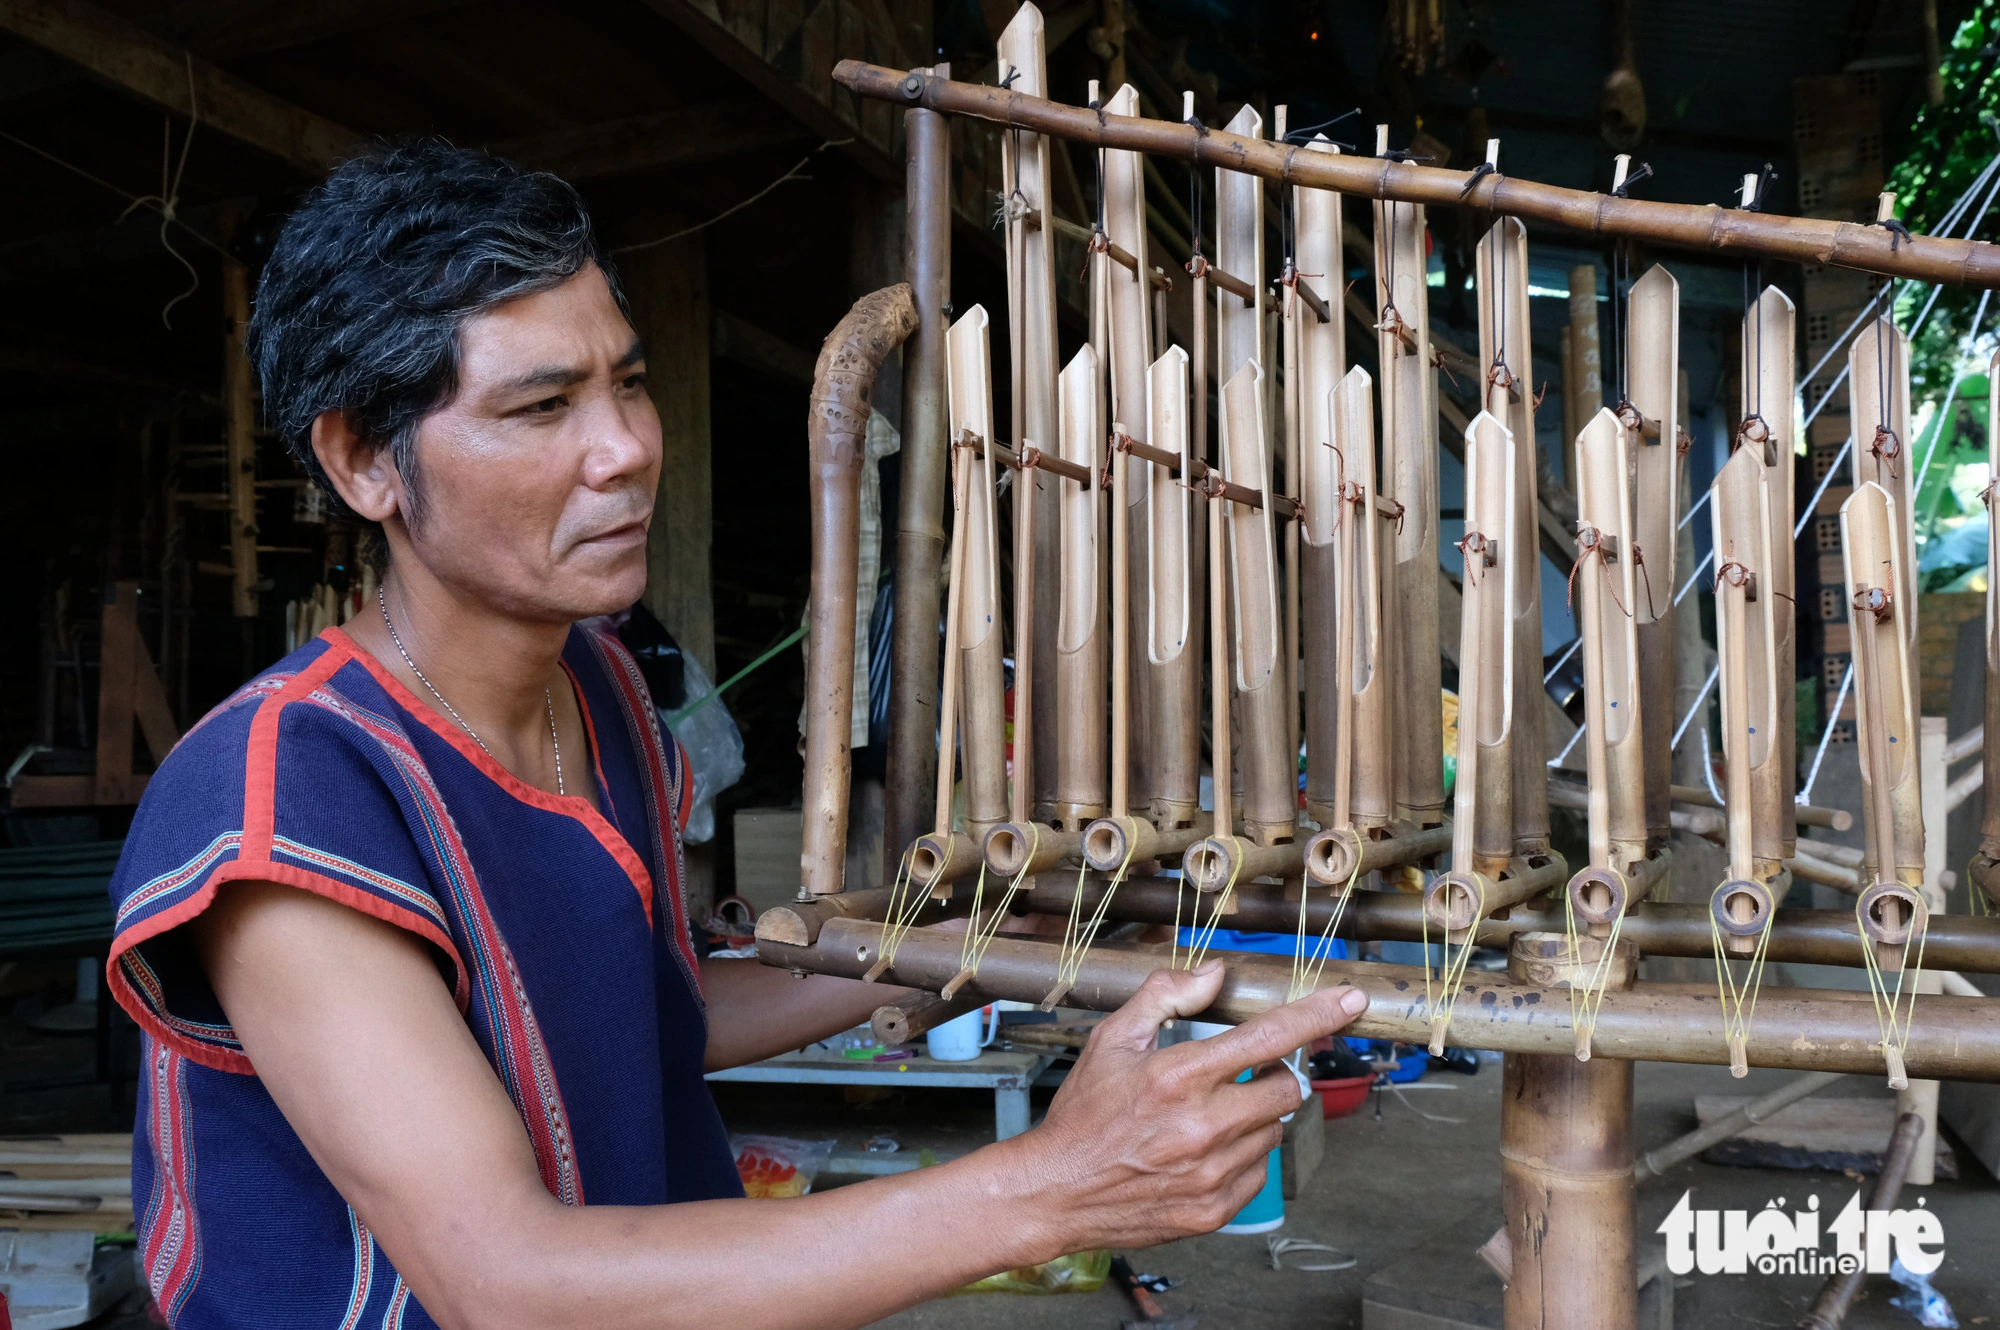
pixel 560 930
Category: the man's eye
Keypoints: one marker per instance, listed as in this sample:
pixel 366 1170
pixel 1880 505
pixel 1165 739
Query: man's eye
pixel 634 381
pixel 549 405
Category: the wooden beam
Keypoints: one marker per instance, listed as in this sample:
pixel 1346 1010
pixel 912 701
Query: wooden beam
pixel 684 136
pixel 134 61
pixel 668 289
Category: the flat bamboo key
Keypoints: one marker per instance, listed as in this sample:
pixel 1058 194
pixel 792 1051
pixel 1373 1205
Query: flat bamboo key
pixel 1173 602
pixel 1505 348
pixel 1410 478
pixel 1746 633
pixel 1317 363
pixel 1886 706
pixel 1082 763
pixel 1239 249
pixel 1026 169
pixel 1652 451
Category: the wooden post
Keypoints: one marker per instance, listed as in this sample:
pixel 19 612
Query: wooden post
pixel 239 404
pixel 668 290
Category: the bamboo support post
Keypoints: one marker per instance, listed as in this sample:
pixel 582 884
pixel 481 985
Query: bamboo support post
pixel 1566 1182
pixel 926 464
pixel 1027 176
pixel 1802 1029
pixel 1683 226
pixel 1652 386
pixel 836 430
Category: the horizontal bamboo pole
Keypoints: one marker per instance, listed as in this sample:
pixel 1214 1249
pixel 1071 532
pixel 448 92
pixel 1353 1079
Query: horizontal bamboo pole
pixel 1701 227
pixel 1806 815
pixel 917 1013
pixel 1330 854
pixel 1960 942
pixel 1951 1039
pixel 1653 1163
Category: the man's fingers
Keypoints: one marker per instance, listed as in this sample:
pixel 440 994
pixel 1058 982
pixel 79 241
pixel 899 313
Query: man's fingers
pixel 1276 1033
pixel 1166 995
pixel 1257 1102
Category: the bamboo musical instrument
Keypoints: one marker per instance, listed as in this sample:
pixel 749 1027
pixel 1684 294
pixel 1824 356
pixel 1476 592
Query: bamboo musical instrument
pixel 1173 602
pixel 1135 774
pixel 1878 386
pixel 1652 447
pixel 1770 425
pixel 1026 166
pixel 1504 348
pixel 1316 369
pixel 1410 477
pixel 1605 586
pixel 1746 614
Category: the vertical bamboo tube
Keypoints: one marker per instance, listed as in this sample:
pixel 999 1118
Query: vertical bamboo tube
pixel 1483 835
pixel 1410 477
pixel 1318 362
pixel 1173 601
pixel 1239 251
pixel 1082 764
pixel 1747 616
pixel 982 678
pixel 1985 872
pixel 1885 702
pixel 1368 754
pixel 1504 347
pixel 1130 358
pixel 1615 704
pixel 1269 800
pixel 1652 388
pixel 1026 164
pixel 1769 336
pixel 913 702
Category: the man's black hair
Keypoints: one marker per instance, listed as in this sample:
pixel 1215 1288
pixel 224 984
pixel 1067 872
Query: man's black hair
pixel 360 303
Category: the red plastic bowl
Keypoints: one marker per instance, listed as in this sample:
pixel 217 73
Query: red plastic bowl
pixel 1344 1096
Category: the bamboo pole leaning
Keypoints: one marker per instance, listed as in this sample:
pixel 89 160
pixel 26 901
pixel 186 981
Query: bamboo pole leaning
pixel 1707 228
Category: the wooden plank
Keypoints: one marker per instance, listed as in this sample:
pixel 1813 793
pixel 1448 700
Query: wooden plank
pixel 115 664
pixel 684 136
pixel 668 289
pixel 134 61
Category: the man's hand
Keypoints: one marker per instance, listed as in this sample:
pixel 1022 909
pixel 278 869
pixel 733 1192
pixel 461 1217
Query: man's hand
pixel 1143 1144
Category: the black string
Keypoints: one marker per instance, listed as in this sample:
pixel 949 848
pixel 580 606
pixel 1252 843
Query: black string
pixel 1324 124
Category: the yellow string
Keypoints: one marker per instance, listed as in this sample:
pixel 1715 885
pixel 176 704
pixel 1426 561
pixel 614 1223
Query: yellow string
pixel 1739 1001
pixel 1070 960
pixel 1586 1003
pixel 1975 897
pixel 1893 1027
pixel 978 936
pixel 1198 944
pixel 1453 977
pixel 1306 973
pixel 905 906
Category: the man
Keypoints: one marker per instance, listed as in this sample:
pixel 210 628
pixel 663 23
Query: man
pixel 402 919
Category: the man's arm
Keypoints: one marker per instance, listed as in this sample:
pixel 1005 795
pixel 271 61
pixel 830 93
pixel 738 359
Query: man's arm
pixel 375 1069
pixel 756 1011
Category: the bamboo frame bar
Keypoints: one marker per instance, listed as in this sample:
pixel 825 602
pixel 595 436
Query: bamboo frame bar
pixel 1953 1039
pixel 1682 226
pixel 836 431
pixel 1964 943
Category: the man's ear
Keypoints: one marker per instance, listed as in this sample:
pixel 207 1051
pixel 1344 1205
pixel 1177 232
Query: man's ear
pixel 363 473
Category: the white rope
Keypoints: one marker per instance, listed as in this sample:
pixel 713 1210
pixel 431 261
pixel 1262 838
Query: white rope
pixel 1694 508
pixel 1694 577
pixel 1957 377
pixel 1695 706
pixel 1826 735
pixel 1560 660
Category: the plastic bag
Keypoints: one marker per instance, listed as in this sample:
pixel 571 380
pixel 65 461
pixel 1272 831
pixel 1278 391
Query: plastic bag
pixel 774 1166
pixel 1079 1272
pixel 714 747
pixel 1922 1301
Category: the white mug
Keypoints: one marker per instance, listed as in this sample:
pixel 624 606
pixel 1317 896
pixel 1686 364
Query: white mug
pixel 958 1039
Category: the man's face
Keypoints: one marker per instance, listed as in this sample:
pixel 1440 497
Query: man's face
pixel 538 476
